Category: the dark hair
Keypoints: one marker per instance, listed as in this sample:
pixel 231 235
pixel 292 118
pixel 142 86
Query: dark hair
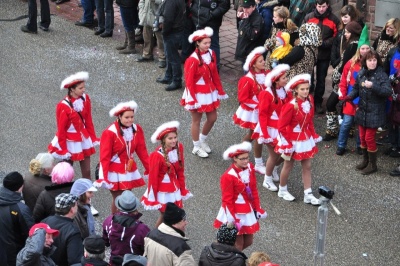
pixel 83 198
pixel 321 2
pixel 351 11
pixel 371 54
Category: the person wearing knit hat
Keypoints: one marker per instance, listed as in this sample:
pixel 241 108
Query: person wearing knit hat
pixel 118 170
pixel 347 81
pixel 271 101
pixel 163 241
pixel 75 138
pixel 297 137
pixel 223 251
pixel 16 218
pixel 351 35
pixel 167 181
pixel 249 88
pixel 203 90
pixel 240 200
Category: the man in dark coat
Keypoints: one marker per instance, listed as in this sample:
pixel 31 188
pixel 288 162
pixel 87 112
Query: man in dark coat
pixel 223 252
pixel 16 218
pixel 251 30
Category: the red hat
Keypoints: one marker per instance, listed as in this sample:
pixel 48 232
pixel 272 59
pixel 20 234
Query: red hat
pixel 237 149
pixel 198 35
pixel 253 55
pixel 74 79
pixel 122 107
pixel 45 227
pixel 164 129
pixel 275 74
pixel 296 80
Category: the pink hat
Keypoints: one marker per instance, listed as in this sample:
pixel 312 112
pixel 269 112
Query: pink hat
pixel 253 55
pixel 45 227
pixel 198 35
pixel 74 79
pixel 164 129
pixel 122 107
pixel 275 74
pixel 296 80
pixel 237 149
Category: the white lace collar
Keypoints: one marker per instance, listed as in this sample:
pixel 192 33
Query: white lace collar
pixel 206 58
pixel 281 93
pixel 128 133
pixel 78 105
pixel 173 156
pixel 306 106
pixel 260 78
pixel 245 176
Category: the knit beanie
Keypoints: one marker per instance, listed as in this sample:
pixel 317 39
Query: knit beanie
pixel 173 214
pixel 13 181
pixel 354 28
pixel 227 234
pixel 364 38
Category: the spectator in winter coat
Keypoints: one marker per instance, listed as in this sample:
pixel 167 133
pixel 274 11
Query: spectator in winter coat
pixel 223 252
pixel 266 10
pixel 94 251
pixel 329 24
pixel 123 232
pixel 299 9
pixel 251 30
pixel 388 38
pixel 16 218
pixel 39 246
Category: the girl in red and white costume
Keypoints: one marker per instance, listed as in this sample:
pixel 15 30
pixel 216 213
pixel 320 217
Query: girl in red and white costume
pixel 297 137
pixel 240 201
pixel 118 170
pixel 203 90
pixel 271 101
pixel 249 87
pixel 75 137
pixel 167 172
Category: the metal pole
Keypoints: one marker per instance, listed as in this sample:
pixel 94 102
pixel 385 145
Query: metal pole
pixel 322 219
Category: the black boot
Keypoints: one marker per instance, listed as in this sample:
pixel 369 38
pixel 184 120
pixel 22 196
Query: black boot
pixel 174 86
pixel 365 160
pixel 372 167
pixel 130 49
pixel 125 44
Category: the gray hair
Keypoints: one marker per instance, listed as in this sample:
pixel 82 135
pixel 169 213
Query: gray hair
pixel 95 256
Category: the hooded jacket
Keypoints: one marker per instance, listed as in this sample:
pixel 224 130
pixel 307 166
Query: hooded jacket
pixel 15 222
pixel 218 254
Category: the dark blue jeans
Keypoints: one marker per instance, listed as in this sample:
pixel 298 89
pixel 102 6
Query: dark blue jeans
pixel 322 71
pixel 88 7
pixel 171 46
pixel 105 15
pixel 215 44
pixel 187 47
pixel 345 127
pixel 44 14
pixel 130 18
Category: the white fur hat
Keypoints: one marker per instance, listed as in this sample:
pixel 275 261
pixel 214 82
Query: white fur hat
pixel 122 107
pixel 165 128
pixel 275 74
pixel 296 80
pixel 207 32
pixel 237 149
pixel 74 79
pixel 252 56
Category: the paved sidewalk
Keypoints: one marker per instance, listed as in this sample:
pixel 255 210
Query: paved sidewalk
pixel 231 70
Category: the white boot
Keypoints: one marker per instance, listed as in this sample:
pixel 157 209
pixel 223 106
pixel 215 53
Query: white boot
pixel 268 184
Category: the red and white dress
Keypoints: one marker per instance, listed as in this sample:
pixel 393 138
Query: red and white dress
pixel 203 90
pixel 117 166
pixel 239 199
pixel 249 87
pixel 270 107
pixel 166 181
pixel 297 136
pixel 75 137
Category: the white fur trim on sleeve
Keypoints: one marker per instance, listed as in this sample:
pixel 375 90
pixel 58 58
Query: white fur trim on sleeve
pixel 257 50
pixel 163 127
pixel 274 72
pixel 83 75
pixel 244 146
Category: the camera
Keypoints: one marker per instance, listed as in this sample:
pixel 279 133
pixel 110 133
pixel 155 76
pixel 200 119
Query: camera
pixel 326 192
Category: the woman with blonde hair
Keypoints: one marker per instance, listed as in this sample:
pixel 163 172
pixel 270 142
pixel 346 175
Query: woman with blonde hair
pixel 388 38
pixel 38 177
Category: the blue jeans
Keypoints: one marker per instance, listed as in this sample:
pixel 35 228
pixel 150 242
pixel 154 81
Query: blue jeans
pixel 171 46
pixel 88 7
pixel 345 127
pixel 130 18
pixel 105 15
pixel 44 14
pixel 322 71
pixel 215 44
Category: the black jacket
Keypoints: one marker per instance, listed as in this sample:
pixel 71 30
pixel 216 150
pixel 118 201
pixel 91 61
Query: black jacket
pixel 209 13
pixel 33 186
pixel 250 35
pixel 15 222
pixel 371 106
pixel 172 13
pixel 93 262
pixel 220 255
pixel 69 242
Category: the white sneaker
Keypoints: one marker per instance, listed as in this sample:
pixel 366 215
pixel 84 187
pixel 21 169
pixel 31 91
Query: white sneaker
pixel 199 152
pixel 275 175
pixel 205 147
pixel 94 211
pixel 310 199
pixel 285 195
pixel 260 169
pixel 268 184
